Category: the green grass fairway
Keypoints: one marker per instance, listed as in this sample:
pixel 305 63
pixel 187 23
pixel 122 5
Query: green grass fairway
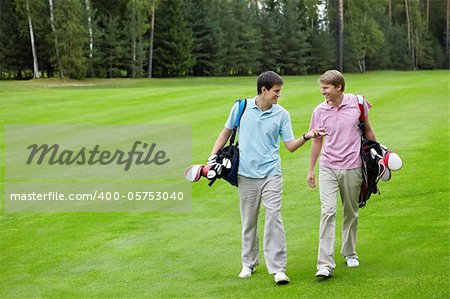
pixel 403 239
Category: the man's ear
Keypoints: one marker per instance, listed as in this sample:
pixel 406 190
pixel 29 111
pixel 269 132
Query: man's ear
pixel 339 87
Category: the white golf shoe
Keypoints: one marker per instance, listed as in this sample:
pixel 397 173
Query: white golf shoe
pixel 323 272
pixel 352 262
pixel 281 278
pixel 246 272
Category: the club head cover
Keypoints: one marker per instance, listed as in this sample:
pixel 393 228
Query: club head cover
pixel 205 170
pixel 393 161
pixel 386 175
pixel 193 173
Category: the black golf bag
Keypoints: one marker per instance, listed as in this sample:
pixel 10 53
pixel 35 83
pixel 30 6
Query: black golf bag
pixel 371 154
pixel 230 152
pixel 371 170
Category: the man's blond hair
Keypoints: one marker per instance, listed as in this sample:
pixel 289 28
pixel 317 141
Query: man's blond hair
pixel 334 78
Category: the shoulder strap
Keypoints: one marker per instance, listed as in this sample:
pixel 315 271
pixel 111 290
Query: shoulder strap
pixel 362 117
pixel 242 106
pixel 361 107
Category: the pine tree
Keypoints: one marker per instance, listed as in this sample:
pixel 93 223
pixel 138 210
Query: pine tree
pixel 363 36
pixel 136 25
pixel 113 48
pixel 13 35
pixel 323 52
pixel 293 33
pixel 340 18
pixel 228 25
pixel 72 39
pixel 208 48
pixel 270 37
pixel 111 31
pixel 243 38
pixel 173 40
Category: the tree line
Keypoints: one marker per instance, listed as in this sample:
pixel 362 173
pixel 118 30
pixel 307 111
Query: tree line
pixel 168 38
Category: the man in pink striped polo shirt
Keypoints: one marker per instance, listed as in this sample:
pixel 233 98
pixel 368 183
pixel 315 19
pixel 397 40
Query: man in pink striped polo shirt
pixel 339 168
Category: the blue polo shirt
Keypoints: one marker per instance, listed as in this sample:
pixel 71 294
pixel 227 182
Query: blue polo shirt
pixel 259 138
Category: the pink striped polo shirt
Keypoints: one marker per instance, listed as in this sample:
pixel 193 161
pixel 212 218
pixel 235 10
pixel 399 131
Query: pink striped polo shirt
pixel 341 147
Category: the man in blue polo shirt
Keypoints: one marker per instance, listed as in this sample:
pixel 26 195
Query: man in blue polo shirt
pixel 259 174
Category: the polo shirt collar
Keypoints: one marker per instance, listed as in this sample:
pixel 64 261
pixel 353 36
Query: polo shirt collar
pixel 345 102
pixel 251 104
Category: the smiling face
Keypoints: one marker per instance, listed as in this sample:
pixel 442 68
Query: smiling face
pixel 332 85
pixel 331 92
pixel 272 95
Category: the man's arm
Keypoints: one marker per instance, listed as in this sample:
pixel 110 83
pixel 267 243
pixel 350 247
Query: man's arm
pixel 316 147
pixel 293 145
pixel 221 140
pixel 370 134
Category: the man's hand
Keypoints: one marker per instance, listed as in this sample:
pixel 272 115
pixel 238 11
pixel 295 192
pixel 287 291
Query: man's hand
pixel 314 133
pixel 311 180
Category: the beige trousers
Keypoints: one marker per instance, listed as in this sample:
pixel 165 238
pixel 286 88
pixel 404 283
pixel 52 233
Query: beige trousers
pixel 348 183
pixel 252 193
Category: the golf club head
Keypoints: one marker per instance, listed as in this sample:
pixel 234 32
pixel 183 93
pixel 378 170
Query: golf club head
pixel 386 175
pixel 212 159
pixel 211 174
pixel 384 149
pixel 218 169
pixel 393 161
pixel 193 173
pixel 213 171
pixel 374 154
pixel 381 168
pixel 226 163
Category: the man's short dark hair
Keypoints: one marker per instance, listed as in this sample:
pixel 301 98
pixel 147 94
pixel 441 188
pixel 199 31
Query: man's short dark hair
pixel 268 80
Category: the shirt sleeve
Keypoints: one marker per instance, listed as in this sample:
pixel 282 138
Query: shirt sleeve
pixel 232 117
pixel 314 120
pixel 286 128
pixel 367 107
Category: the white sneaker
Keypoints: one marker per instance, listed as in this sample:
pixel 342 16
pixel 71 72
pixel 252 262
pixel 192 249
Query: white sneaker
pixel 281 278
pixel 352 262
pixel 323 272
pixel 246 272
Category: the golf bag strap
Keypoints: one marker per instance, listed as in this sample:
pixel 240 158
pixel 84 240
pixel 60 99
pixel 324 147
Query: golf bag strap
pixel 361 107
pixel 362 116
pixel 242 106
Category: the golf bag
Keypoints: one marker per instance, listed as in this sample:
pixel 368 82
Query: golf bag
pixel 371 166
pixel 230 152
pixel 371 170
